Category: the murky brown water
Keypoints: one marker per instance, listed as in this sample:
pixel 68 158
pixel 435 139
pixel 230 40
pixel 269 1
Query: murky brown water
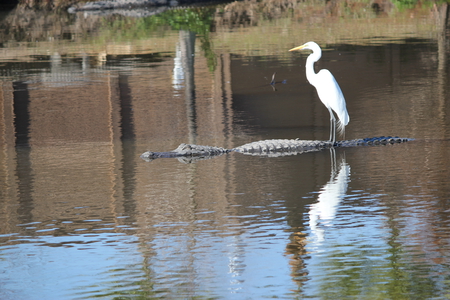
pixel 83 216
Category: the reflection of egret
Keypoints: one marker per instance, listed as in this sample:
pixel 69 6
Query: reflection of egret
pixel 324 210
pixel 327 88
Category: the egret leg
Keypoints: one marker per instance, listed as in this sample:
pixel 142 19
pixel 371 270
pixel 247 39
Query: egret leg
pixel 331 130
pixel 334 130
pixel 332 126
pixel 333 163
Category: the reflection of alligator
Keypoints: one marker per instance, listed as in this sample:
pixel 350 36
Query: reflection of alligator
pixel 272 148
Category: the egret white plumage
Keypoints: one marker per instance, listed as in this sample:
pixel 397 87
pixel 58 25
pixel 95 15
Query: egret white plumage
pixel 327 88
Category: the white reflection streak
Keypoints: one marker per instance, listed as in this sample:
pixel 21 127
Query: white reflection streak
pixel 323 212
pixel 178 72
pixel 235 266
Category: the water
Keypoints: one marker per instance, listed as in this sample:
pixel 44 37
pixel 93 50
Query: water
pixel 83 216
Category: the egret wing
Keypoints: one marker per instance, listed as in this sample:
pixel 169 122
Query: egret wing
pixel 331 95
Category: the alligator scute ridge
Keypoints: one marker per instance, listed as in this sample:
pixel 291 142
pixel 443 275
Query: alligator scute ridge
pixel 188 153
pixel 281 147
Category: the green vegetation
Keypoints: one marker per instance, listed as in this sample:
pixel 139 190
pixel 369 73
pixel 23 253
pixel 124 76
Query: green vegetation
pixel 404 4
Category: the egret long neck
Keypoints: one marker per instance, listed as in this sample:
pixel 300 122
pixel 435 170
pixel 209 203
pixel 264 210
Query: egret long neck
pixel 312 58
pixel 310 69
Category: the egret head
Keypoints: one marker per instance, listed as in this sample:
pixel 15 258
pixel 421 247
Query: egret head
pixel 308 46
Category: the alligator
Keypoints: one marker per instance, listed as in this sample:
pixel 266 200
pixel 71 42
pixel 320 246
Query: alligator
pixel 188 153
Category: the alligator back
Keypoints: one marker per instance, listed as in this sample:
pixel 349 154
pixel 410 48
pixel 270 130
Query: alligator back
pixel 275 148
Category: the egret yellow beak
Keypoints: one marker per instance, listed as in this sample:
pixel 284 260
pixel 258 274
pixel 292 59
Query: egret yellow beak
pixel 298 48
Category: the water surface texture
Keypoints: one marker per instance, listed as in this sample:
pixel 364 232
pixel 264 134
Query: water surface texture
pixel 84 95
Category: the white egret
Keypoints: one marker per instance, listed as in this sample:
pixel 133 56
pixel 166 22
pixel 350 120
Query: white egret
pixel 327 88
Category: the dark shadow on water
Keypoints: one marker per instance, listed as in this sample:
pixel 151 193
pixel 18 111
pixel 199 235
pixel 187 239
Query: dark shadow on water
pixel 24 172
pixel 21 113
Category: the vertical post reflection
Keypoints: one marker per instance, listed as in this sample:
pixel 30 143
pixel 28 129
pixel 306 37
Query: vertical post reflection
pixel 127 138
pixel 21 113
pixel 21 102
pixel 442 20
pixel 186 53
pixel 126 110
pixel 8 183
pixel 222 90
